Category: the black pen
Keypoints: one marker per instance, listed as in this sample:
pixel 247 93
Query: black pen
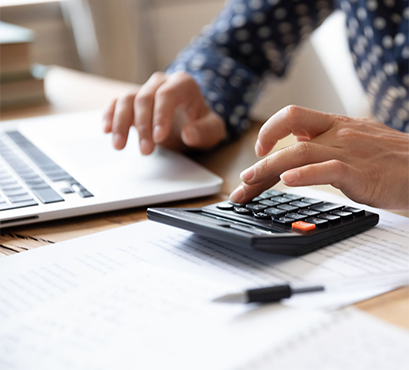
pixel 276 293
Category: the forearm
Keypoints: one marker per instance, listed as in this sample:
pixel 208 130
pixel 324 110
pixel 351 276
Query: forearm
pixel 246 41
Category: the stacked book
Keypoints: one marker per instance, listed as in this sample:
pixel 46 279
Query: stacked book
pixel 21 82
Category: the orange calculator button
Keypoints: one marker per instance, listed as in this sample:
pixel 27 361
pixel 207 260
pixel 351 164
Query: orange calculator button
pixel 304 226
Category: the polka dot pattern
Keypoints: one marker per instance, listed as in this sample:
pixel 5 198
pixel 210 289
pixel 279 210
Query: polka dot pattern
pixel 252 38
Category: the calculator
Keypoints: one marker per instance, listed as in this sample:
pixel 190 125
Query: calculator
pixel 275 222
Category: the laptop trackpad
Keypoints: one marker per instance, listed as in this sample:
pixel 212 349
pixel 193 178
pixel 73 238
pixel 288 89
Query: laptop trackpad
pixel 85 152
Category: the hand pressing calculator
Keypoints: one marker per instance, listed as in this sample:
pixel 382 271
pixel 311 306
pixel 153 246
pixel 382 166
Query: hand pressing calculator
pixel 274 222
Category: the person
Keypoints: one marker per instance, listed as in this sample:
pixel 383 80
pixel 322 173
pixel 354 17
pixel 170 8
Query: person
pixel 205 96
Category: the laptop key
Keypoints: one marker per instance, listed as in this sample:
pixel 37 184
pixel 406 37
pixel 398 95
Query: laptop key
pixel 20 198
pixel 47 195
pixel 58 175
pixel 7 207
pixel 85 194
pixel 15 192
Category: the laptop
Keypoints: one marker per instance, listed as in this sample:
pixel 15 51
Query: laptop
pixel 64 165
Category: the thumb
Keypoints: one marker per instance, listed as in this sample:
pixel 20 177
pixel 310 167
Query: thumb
pixel 204 132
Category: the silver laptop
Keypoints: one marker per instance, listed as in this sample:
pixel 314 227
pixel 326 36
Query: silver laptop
pixel 63 166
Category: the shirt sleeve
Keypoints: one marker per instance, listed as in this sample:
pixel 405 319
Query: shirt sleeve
pixel 248 39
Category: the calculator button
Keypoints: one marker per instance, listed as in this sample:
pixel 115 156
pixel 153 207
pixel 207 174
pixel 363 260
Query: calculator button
pixel 326 207
pixel 284 220
pixel 354 211
pixel 269 203
pixel 342 214
pixel 265 196
pixel 287 207
pixel 296 216
pixel 261 215
pixel 299 204
pixel 255 207
pixel 303 226
pixel 238 204
pixel 311 201
pixel 281 200
pixel 329 217
pixel 226 206
pixel 242 211
pixel 275 212
pixel 292 196
pixel 308 212
pixel 274 193
pixel 317 221
pixel 256 199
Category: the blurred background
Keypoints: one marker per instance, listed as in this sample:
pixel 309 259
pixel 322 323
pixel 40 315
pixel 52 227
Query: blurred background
pixel 130 39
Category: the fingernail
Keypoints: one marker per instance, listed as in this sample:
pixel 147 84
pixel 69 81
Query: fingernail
pixel 237 194
pixel 259 149
pixel 145 147
pixel 158 134
pixel 192 135
pixel 247 175
pixel 289 177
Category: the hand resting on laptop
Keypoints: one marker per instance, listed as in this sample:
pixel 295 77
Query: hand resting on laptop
pixel 168 110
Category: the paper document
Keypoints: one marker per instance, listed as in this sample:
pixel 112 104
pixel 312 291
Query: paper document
pixel 349 339
pixel 139 297
pixel 104 308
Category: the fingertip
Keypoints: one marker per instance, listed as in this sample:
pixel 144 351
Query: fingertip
pixel 290 177
pixel 118 141
pixel 106 126
pixel 247 175
pixel 259 149
pixel 191 136
pixel 237 195
pixel 146 147
pixel 159 134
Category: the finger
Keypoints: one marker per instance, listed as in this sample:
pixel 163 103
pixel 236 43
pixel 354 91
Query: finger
pixel 334 172
pixel 144 103
pixel 205 132
pixel 296 155
pixel 245 193
pixel 299 121
pixel 179 89
pixel 108 116
pixel 122 121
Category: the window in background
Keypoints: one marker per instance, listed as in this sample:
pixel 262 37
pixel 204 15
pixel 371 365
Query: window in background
pixel 22 2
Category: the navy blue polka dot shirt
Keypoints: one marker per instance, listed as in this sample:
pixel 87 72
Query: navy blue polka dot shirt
pixel 252 38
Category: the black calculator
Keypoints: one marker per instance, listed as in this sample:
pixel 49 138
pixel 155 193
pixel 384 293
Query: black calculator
pixel 275 222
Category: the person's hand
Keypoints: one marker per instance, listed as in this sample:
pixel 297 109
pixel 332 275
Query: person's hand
pixel 365 159
pixel 168 110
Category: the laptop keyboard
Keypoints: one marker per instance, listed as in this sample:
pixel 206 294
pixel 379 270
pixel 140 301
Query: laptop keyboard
pixel 25 186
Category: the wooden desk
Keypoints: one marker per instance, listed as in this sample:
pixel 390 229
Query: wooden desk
pixel 70 91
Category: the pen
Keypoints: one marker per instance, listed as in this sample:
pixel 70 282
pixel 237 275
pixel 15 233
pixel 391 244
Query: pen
pixel 276 293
